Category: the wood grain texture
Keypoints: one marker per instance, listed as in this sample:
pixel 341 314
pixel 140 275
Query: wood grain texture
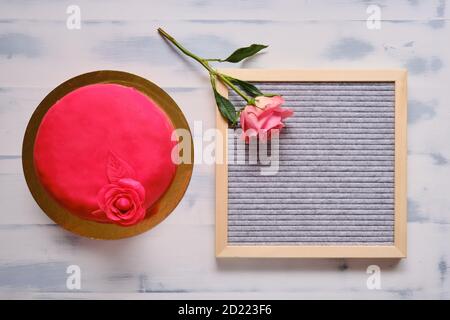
pixel 221 175
pixel 176 259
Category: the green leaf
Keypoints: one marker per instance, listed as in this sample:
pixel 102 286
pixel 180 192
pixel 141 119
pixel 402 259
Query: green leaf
pixel 226 108
pixel 242 53
pixel 250 89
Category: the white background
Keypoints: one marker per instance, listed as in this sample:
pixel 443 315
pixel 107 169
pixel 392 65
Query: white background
pixel 176 259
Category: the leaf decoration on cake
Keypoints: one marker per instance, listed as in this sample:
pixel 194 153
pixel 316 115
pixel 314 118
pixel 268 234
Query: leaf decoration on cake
pixel 118 168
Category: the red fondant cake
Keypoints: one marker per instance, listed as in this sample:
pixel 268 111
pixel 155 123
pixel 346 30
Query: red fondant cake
pixel 103 152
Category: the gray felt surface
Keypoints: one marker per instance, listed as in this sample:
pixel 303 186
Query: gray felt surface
pixel 335 182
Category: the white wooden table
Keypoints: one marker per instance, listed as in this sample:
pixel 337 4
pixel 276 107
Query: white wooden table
pixel 176 259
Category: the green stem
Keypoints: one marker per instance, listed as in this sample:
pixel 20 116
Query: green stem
pixel 205 64
pixel 186 51
pixel 212 78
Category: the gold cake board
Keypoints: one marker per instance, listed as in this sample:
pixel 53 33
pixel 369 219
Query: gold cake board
pixel 155 214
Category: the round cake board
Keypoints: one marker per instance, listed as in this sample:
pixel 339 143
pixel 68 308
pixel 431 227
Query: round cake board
pixel 91 229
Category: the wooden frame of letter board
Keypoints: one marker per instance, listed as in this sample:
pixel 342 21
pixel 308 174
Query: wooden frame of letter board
pixel 398 249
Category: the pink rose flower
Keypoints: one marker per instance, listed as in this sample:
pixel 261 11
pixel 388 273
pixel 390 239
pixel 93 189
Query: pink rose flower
pixel 122 201
pixel 261 119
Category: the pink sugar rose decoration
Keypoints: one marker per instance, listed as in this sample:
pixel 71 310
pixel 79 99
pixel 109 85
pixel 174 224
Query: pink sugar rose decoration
pixel 261 119
pixel 121 201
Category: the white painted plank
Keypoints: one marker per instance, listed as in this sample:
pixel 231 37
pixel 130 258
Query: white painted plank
pixel 237 11
pixel 155 263
pixel 28 50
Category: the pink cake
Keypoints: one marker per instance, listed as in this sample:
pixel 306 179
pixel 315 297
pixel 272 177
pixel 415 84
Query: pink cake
pixel 103 152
